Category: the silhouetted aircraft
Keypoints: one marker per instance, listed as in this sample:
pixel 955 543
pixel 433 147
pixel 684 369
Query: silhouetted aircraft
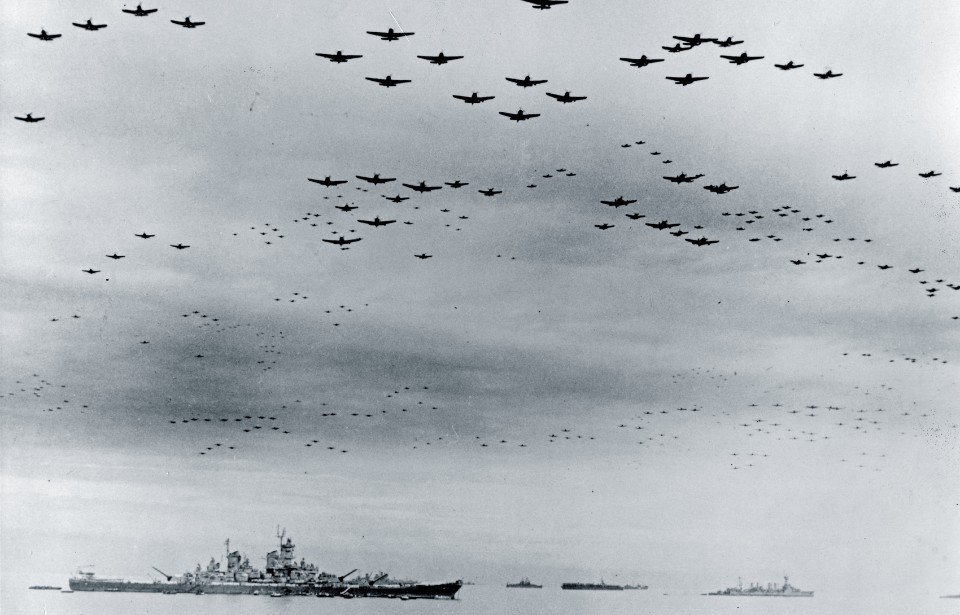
pixel 186 23
pixel 90 26
pixel 687 80
pixel 721 189
pixel 396 199
pixel 345 207
pixel 789 65
pixel 376 179
pixel 457 184
pixel 703 241
pixel 641 61
pixel 827 75
pixel 798 262
pixel 139 12
pixel 440 59
pixel 338 57
pixel 695 40
pixel 179 246
pixel 604 226
pixel 678 48
pixel 635 216
pixel 885 266
pixel 115 256
pixel 424 255
pixel 678 233
pixel 885 165
pixel 526 82
pixel 565 98
pixel 90 271
pixel 727 43
pixel 915 270
pixel 519 116
pixel 377 222
pixel 43 36
pixel 618 202
pixel 840 178
pixel 661 225
pixel 326 181
pixel 341 241
pixel 626 145
pixel 423 187
pixel 29 118
pixel 654 153
pixel 743 58
pixel 683 178
pixel 390 35
pixel 144 236
pixel 824 255
pixel 473 98
pixel 955 189
pixel 489 192
pixel 545 4
pixel 389 82
pixel 930 174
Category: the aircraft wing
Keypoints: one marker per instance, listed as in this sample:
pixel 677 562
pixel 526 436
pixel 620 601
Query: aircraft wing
pixel 731 58
pixel 507 78
pixel 375 79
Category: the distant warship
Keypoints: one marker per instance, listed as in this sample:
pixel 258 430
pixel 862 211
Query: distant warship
pixel 525 582
pixel 771 590
pixel 600 585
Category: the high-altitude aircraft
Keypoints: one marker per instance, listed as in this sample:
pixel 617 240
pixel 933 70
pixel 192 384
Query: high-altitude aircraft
pixel 139 12
pixel 727 43
pixel 678 48
pixel 827 75
pixel 424 255
pixel 884 266
pixel 641 61
pixel 457 184
pixel 377 222
pixel 473 98
pixel 43 36
pixel 396 199
pixel 683 178
pixel 144 236
pixel 489 192
pixel 440 59
pixel 90 25
pixel 721 189
pixel 565 98
pixel 90 271
pixel 824 255
pixel 743 58
pixel 930 174
pixel 423 187
pixel 663 224
pixel 885 165
pixel 799 262
pixel 326 181
pixel 703 241
pixel 29 119
pixel 526 82
pixel 687 80
pixel 789 65
pixel 390 35
pixel 840 178
pixel 519 116
pixel 179 246
pixel 635 216
pixel 915 270
pixel 604 226
pixel 678 233
pixel 695 40
pixel 341 241
pixel 345 207
pixel 338 57
pixel 619 202
pixel 389 82
pixel 115 256
pixel 376 179
pixel 186 23
pixel 545 4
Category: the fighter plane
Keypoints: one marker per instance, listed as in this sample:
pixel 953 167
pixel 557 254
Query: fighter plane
pixel 473 98
pixel 727 43
pixel 519 116
pixel 641 61
pixel 930 174
pixel 827 75
pixel 345 207
pixel 423 187
pixel 695 40
pixel 955 189
pixel 661 225
pixel 29 119
pixel 618 202
pixel 678 48
pixel 799 262
pixel 341 241
pixel 678 233
pixel 338 57
pixel 440 59
pixel 186 23
pixel 915 270
pixel 139 12
pixel 840 178
pixel 526 82
pixel 90 271
pixel 683 178
pixel 390 35
pixel 377 222
pixel 743 58
pixel 457 184
pixel 565 98
pixel 545 4
pixel 489 192
pixel 703 241
pixel 90 26
pixel 885 266
pixel 824 255
pixel 376 179
pixel 721 189
pixel 179 246
pixel 789 65
pixel 604 226
pixel 43 36
pixel 115 256
pixel 396 199
pixel 326 181
pixel 424 255
pixel 635 216
pixel 389 82
pixel 886 165
pixel 687 80
pixel 144 236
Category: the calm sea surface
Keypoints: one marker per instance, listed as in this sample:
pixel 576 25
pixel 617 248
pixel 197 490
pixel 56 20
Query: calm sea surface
pixel 472 600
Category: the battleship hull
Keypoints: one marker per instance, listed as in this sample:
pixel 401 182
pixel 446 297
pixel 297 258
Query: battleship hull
pixel 591 586
pixel 419 590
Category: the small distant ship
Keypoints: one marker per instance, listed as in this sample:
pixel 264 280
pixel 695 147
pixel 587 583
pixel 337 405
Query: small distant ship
pixel 525 582
pixel 635 587
pixel 600 585
pixel 43 587
pixel 771 590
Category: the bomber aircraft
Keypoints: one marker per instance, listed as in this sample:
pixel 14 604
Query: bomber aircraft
pixel 440 59
pixel 388 82
pixel 526 82
pixel 186 23
pixel 326 181
pixel 687 80
pixel 43 36
pixel 519 116
pixel 641 61
pixel 565 98
pixel 90 25
pixel 338 57
pixel 743 58
pixel 376 179
pixel 139 12
pixel 423 187
pixel 473 98
pixel 390 35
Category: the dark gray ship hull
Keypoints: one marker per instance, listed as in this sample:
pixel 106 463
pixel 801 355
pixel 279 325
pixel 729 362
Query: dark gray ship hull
pixel 419 590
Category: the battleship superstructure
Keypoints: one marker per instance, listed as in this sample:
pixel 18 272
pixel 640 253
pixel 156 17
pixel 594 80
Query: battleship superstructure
pixel 283 576
pixel 771 590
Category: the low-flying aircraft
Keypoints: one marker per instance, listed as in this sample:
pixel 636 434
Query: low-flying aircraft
pixel 663 224
pixel 526 82
pixel 139 12
pixel 788 66
pixel 43 36
pixel 743 58
pixel 566 98
pixel 619 202
pixel 695 40
pixel 396 199
pixel 376 179
pixel 489 192
pixel 683 178
pixel 519 116
pixel 345 207
pixel 29 119
pixel 326 181
pixel 377 222
pixel 90 271
pixel 604 226
pixel 390 35
pixel 843 177
pixel 703 241
pixel 179 246
pixel 338 57
pixel 388 82
pixel 677 48
pixel 186 23
pixel 473 98
pixel 641 61
pixel 424 255
pixel 545 4
pixel 686 80
pixel 90 25
pixel 827 75
pixel 341 241
pixel 440 59
pixel 144 236
pixel 423 187
pixel 727 43
pixel 886 165
pixel 930 174
pixel 457 184
pixel 721 189
pixel 115 256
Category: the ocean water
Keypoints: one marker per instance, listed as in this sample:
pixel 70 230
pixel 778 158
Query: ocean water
pixel 473 600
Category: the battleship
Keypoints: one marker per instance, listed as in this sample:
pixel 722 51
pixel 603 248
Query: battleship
pixel 525 582
pixel 600 585
pixel 771 590
pixel 282 576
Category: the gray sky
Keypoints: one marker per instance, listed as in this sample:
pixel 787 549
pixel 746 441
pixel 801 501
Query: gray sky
pixel 526 322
